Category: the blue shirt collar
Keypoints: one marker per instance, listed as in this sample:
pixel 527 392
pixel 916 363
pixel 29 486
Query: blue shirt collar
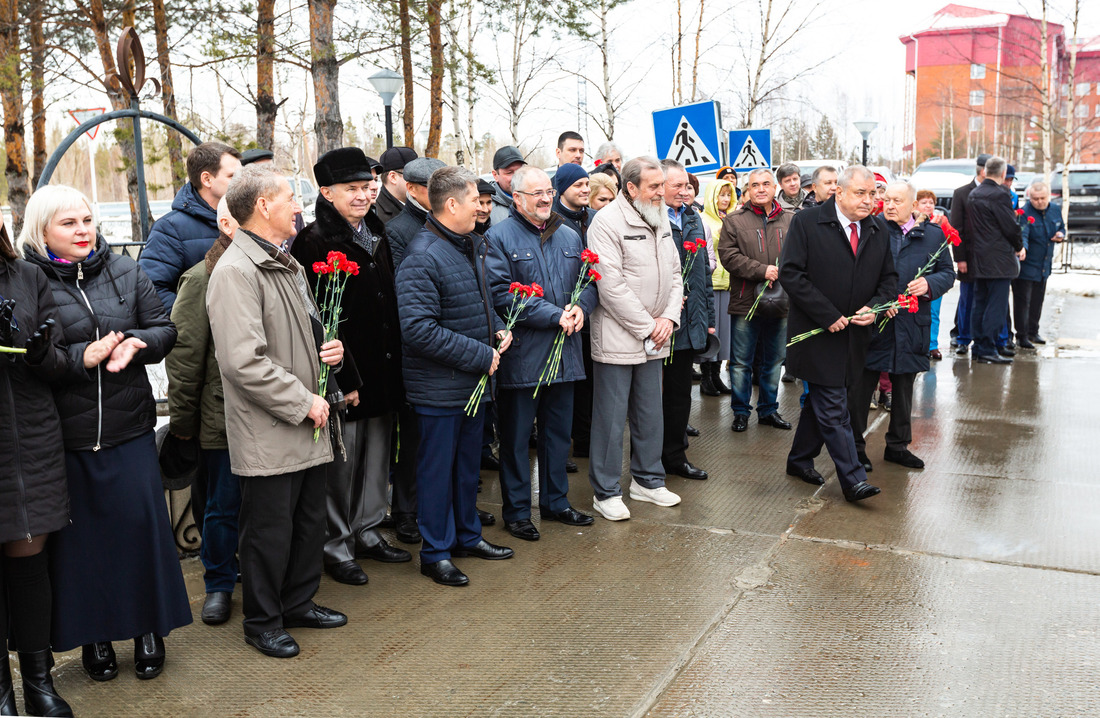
pixel 676 216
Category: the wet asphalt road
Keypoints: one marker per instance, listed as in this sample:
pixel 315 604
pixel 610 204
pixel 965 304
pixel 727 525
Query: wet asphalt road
pixel 965 589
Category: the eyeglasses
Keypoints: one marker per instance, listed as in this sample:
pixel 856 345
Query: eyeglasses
pixel 547 193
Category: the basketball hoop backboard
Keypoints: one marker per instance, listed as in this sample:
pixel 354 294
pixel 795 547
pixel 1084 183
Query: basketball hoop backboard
pixel 82 116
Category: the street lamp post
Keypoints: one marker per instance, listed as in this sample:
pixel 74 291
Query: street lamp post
pixel 387 84
pixel 865 127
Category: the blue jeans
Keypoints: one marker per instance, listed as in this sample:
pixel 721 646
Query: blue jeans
pixel 772 335
pixel 219 528
pixel 934 342
pixel 963 313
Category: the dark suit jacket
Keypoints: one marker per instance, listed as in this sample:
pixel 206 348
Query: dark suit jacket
pixel 825 282
pixel 958 221
pixel 995 235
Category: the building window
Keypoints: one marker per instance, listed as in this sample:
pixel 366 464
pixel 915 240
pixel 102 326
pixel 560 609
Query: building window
pixel 1082 89
pixel 976 124
pixel 977 71
pixel 977 97
pixel 1063 111
pixel 1082 110
pixel 1065 89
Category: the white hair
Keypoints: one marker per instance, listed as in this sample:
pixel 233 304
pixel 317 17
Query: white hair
pixel 851 173
pixel 607 148
pixel 40 211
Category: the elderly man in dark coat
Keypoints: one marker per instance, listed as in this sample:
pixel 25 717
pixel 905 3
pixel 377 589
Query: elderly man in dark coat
pixel 901 347
pixel 836 264
pixel 996 248
pixel 371 377
pixel 1042 228
pixel 534 245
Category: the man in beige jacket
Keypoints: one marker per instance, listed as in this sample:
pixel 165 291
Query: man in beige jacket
pixel 267 337
pixel 640 300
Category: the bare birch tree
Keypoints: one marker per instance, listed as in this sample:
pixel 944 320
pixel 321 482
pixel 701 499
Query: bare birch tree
pixel 11 95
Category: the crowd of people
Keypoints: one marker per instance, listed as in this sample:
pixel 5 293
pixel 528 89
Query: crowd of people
pixel 295 478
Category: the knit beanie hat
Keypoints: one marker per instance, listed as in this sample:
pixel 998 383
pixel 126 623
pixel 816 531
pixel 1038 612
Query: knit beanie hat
pixel 566 175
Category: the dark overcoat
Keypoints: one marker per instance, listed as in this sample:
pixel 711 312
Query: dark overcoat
pixel 697 315
pixel 825 282
pixel 994 233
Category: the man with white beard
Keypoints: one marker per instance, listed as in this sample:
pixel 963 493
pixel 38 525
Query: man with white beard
pixel 640 299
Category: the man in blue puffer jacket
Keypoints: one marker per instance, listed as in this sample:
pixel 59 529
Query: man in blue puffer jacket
pixel 1041 225
pixel 448 333
pixel 180 239
pixel 535 246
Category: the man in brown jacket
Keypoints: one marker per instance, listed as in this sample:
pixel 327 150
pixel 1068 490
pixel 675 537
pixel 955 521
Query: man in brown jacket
pixel 267 334
pixel 749 247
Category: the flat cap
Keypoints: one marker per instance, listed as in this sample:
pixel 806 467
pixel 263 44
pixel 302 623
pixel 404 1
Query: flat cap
pixel 420 170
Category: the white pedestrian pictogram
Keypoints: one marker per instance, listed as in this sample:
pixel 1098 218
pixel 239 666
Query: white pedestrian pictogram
pixel 687 147
pixel 750 156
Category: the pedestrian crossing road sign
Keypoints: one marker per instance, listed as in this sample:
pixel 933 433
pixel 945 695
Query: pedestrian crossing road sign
pixel 750 149
pixel 690 134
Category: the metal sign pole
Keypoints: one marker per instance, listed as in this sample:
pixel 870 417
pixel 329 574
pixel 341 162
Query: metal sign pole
pixel 91 168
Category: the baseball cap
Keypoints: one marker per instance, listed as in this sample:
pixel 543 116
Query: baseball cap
pixel 507 155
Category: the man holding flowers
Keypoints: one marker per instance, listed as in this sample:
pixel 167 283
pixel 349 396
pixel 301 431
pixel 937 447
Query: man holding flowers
pixel 835 265
pixel 899 346
pixel 535 247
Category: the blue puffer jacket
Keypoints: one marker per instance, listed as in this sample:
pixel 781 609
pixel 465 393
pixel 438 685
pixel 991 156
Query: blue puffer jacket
pixel 447 320
pixel 1037 240
pixel 178 241
pixel 698 312
pixel 519 252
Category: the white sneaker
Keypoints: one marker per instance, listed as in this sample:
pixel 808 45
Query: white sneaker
pixel 612 509
pixel 660 495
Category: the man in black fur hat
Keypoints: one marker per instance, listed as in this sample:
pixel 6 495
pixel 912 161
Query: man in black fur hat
pixel 371 376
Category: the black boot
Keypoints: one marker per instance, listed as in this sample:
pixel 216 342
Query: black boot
pixel 717 377
pixel 39 696
pixel 706 384
pixel 7 690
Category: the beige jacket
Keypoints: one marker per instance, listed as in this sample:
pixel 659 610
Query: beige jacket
pixel 640 282
pixel 268 361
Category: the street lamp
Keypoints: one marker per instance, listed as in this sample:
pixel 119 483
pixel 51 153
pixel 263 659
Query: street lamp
pixel 865 127
pixel 387 83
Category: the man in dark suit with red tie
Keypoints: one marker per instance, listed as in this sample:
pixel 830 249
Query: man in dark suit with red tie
pixel 835 264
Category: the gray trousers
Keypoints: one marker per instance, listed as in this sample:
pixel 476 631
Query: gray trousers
pixel 356 492
pixel 620 393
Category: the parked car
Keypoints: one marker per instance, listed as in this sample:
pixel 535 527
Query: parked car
pixel 943 177
pixel 305 193
pixel 807 167
pixel 1084 201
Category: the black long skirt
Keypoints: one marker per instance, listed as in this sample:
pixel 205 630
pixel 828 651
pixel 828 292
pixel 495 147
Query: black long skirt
pixel 116 574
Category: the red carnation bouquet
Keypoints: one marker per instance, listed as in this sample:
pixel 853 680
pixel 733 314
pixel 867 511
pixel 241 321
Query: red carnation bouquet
pixel 586 277
pixel 332 277
pixel 692 249
pixel 521 297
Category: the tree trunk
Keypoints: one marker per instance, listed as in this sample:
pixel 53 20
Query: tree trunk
pixel 679 79
pixel 168 95
pixel 1045 96
pixel 695 61
pixel 471 32
pixel 266 107
pixel 407 72
pixel 327 125
pixel 762 61
pixel 435 100
pixel 11 95
pixel 605 51
pixel 38 90
pixel 454 66
pixel 1069 155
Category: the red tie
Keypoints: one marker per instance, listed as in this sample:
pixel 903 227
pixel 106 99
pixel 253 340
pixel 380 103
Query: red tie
pixel 854 239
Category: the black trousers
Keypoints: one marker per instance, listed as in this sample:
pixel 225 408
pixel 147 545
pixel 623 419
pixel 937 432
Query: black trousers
pixel 900 433
pixel 676 403
pixel 282 534
pixel 518 410
pixel 989 316
pixel 403 476
pixel 824 422
pixel 1027 306
pixel 582 399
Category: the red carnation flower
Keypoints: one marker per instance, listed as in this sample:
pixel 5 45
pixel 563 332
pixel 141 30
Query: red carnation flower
pixel 351 268
pixel 691 247
pixel 1020 212
pixel 1031 220
pixel 589 256
pixel 914 305
pixel 954 238
pixel 903 299
pixel 536 290
pixel 319 267
pixel 515 288
pixel 594 275
pixel 702 243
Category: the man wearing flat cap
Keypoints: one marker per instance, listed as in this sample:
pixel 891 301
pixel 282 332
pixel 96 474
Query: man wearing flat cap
pixel 371 376
pixel 485 192
pixel 392 197
pixel 402 228
pixel 506 161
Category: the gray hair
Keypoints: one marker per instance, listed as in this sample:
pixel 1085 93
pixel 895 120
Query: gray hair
pixel 606 148
pixel 910 190
pixel 757 171
pixel 448 182
pixel 1036 185
pixel 41 208
pixel 996 167
pixel 524 175
pixel 786 170
pixel 822 168
pixel 669 165
pixel 247 186
pixel 854 172
pixel 633 170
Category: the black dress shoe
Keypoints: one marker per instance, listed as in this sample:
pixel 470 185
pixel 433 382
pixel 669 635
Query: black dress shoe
pixel 99 661
pixel 522 529
pixel 406 530
pixel 691 430
pixel 383 552
pixel 1025 344
pixel 962 350
pixel 316 617
pixel 740 423
pixel 148 656
pixel 1007 351
pixel 486 518
pixel 1037 339
pixel 687 471
pixel 569 517
pixel 864 462
pixel 775 420
pixel 277 643
pixel 347 572
pixel 485 550
pixel 788 378
pixel 216 608
pixel 903 457
pixel 992 359
pixel 387 521
pixel 571 467
pixel 810 475
pixel 444 572
pixel 860 491
pixel 490 463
